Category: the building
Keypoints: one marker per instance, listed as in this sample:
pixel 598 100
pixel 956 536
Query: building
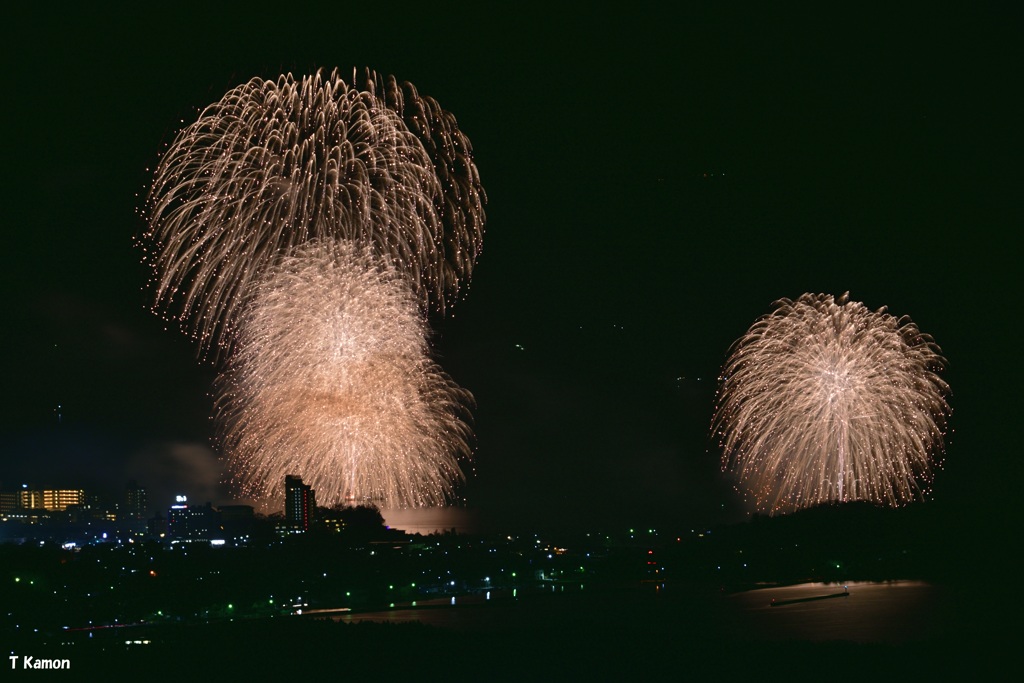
pixel 156 526
pixel 51 500
pixel 237 522
pixel 31 499
pixel 10 501
pixel 299 503
pixel 187 523
pixel 134 502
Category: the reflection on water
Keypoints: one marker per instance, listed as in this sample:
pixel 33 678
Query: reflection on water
pixel 432 520
pixel 891 612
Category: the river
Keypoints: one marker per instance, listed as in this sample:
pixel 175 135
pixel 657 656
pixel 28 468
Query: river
pixel 886 612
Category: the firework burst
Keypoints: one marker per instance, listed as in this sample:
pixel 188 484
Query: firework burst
pixel 275 164
pixel 825 400
pixel 331 378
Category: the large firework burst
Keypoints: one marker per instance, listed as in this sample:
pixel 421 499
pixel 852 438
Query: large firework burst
pixel 275 164
pixel 331 377
pixel 825 400
pixel 314 223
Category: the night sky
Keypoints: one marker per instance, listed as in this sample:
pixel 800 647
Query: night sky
pixel 654 181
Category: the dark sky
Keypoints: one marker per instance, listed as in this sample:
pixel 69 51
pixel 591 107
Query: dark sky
pixel 655 182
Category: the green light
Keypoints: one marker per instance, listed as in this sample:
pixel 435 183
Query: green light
pixel 348 594
pixel 17 579
pixel 230 606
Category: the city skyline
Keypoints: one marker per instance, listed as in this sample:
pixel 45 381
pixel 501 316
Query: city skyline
pixel 657 179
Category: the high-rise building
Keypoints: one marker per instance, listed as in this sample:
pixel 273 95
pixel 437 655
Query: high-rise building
pixel 299 502
pixel 134 502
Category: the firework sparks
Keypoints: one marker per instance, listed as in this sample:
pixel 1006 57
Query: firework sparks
pixel 275 164
pixel 331 378
pixel 313 223
pixel 825 400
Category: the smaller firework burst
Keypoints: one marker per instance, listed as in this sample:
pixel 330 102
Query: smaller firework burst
pixel 825 400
